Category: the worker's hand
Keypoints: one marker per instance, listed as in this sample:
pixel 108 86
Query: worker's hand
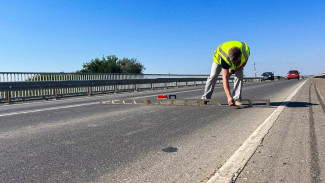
pixel 230 101
pixel 230 73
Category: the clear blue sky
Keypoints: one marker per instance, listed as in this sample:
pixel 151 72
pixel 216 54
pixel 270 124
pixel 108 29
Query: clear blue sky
pixel 166 36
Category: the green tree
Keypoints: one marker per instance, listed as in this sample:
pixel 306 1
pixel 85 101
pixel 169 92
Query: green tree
pixel 111 64
pixel 131 66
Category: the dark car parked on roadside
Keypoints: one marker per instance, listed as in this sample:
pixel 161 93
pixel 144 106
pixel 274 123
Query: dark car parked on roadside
pixel 267 76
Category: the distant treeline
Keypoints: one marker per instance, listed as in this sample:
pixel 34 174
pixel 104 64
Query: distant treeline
pixel 112 64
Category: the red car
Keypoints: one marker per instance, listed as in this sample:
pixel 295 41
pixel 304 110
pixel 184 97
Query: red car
pixel 293 74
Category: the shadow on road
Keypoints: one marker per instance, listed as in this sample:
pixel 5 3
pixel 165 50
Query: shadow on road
pixel 170 149
pixel 291 104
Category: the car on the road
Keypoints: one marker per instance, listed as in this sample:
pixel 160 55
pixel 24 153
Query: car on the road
pixel 293 74
pixel 267 76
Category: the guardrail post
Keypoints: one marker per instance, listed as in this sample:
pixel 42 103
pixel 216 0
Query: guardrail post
pixel 165 85
pixel 152 86
pixel 186 83
pixel 8 93
pixel 115 88
pixel 90 91
pixel 194 83
pixel 176 84
pixel 55 93
pixel 135 88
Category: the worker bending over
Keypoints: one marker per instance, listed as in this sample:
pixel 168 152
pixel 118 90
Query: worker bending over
pixel 230 58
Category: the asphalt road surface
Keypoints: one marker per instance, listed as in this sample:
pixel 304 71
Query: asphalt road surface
pixel 80 140
pixel 294 148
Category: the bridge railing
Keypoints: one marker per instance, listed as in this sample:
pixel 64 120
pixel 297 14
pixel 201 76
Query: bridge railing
pixel 20 86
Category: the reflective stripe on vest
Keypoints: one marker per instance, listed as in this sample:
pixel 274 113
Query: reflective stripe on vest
pixel 244 51
pixel 224 54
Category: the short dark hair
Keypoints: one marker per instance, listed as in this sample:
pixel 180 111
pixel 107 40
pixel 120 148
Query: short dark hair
pixel 234 53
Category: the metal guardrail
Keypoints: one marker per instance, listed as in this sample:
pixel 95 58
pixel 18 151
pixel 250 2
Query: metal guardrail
pixel 50 76
pixel 20 86
pixel 54 89
pixel 45 83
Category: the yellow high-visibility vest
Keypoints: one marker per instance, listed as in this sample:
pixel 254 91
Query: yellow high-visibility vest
pixel 222 52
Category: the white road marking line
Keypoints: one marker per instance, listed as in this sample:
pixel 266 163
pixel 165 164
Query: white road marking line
pixel 70 106
pixel 47 109
pixel 47 101
pixel 235 164
pixel 77 98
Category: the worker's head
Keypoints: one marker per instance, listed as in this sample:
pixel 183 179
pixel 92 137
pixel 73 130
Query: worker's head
pixel 234 55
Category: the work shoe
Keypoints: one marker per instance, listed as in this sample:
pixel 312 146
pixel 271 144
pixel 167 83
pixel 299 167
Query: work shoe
pixel 238 103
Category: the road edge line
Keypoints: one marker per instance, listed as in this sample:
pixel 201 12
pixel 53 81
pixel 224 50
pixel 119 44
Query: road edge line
pixel 236 163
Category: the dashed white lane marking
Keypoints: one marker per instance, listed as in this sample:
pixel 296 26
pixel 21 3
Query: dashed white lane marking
pixel 235 164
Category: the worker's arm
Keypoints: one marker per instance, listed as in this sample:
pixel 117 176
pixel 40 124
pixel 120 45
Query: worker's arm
pixel 225 81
